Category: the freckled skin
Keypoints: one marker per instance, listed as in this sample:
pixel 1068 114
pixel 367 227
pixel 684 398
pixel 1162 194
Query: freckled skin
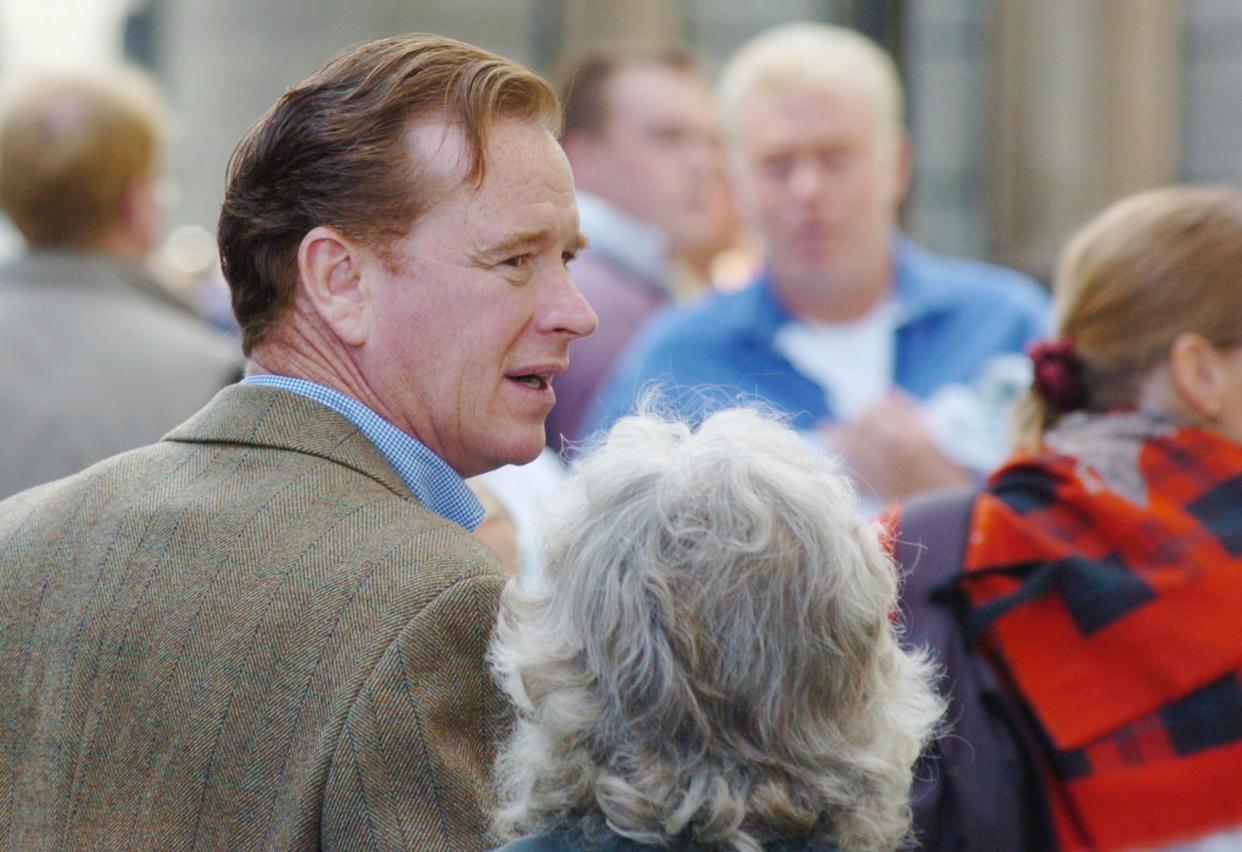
pixel 456 318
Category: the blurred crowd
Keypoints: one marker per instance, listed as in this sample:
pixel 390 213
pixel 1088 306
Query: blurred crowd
pixel 962 534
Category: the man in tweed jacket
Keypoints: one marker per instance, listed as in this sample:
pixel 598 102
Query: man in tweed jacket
pixel 268 630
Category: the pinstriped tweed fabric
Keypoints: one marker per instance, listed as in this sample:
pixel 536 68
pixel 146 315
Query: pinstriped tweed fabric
pixel 246 636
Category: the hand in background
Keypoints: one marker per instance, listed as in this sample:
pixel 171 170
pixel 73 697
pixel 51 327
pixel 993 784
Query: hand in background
pixel 890 453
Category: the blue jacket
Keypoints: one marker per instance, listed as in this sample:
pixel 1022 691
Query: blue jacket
pixel 954 316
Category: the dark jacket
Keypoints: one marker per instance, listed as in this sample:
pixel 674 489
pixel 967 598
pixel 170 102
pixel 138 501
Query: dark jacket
pixel 978 786
pixel 573 842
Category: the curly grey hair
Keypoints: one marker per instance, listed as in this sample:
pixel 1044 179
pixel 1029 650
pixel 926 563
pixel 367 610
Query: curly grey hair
pixel 711 656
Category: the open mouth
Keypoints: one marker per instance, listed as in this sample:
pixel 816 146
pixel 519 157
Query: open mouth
pixel 537 382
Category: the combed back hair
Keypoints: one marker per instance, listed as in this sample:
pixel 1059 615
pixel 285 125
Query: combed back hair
pixel 710 658
pixel 70 151
pixel 1148 269
pixel 817 57
pixel 333 151
pixel 582 82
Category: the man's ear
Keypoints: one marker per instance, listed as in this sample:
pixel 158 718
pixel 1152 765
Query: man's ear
pixel 1198 375
pixel 330 271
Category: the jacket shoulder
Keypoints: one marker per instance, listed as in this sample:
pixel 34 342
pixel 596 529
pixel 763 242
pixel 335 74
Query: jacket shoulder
pixel 976 282
pixel 714 320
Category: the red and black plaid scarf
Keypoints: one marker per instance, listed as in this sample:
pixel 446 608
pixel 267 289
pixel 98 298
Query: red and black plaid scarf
pixel 1111 597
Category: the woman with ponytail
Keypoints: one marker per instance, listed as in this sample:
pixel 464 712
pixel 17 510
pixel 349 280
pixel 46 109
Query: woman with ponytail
pixel 1089 622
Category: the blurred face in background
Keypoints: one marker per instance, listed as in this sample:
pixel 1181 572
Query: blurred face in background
pixel 657 154
pixel 821 178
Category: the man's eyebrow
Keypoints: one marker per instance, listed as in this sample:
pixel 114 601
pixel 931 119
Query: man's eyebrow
pixel 525 239
pixel 512 242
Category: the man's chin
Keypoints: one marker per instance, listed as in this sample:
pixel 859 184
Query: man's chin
pixel 513 454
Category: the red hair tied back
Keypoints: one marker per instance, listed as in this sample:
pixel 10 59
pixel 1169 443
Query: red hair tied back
pixel 1058 373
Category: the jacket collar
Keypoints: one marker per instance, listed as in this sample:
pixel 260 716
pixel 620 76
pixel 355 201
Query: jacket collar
pixel 269 417
pixel 920 291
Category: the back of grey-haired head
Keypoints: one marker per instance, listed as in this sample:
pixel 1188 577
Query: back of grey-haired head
pixel 710 656
pixel 815 56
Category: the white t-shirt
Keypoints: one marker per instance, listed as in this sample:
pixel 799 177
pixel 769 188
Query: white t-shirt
pixel 852 361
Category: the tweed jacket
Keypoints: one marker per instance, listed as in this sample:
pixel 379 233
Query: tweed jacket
pixel 246 636
pixel 95 359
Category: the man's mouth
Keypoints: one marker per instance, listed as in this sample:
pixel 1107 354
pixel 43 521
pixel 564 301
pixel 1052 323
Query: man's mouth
pixel 538 382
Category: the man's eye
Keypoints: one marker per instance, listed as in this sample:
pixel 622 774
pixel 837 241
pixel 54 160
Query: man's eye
pixel 834 160
pixel 668 136
pixel 568 257
pixel 777 168
pixel 518 261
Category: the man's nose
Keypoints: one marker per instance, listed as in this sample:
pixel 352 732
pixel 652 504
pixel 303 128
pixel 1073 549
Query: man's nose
pixel 568 311
pixel 806 179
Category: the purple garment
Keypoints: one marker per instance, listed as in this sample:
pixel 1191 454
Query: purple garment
pixel 623 301
pixel 977 787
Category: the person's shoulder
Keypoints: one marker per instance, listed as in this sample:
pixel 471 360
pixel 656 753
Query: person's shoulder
pixel 168 331
pixel 974 281
pixel 801 845
pixel 540 843
pixel 712 319
pixel 106 485
pixel 727 308
pixel 564 842
pixel 570 841
pixel 404 536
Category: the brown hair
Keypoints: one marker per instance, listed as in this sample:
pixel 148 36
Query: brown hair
pixel 332 152
pixel 1146 270
pixel 582 82
pixel 70 147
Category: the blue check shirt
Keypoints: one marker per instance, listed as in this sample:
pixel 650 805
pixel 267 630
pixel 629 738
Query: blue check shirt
pixel 432 482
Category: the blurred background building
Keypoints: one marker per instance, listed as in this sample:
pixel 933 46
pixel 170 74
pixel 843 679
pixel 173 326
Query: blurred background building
pixel 1027 117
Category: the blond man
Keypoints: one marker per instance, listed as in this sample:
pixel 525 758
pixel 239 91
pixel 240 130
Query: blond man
pixel 851 327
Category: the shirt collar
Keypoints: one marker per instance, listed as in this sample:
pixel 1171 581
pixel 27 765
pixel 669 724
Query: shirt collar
pixel 624 239
pixel 920 290
pixel 429 478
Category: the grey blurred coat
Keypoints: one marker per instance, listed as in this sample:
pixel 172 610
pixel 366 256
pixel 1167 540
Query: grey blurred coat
pixel 249 635
pixel 95 359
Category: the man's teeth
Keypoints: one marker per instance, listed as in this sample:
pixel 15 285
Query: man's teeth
pixel 533 381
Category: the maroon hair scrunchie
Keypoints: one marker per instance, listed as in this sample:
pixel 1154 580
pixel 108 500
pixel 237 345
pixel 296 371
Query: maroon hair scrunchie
pixel 1058 373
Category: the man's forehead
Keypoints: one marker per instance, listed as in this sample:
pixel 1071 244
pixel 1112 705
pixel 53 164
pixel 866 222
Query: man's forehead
pixel 642 84
pixel 440 151
pixel 771 107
